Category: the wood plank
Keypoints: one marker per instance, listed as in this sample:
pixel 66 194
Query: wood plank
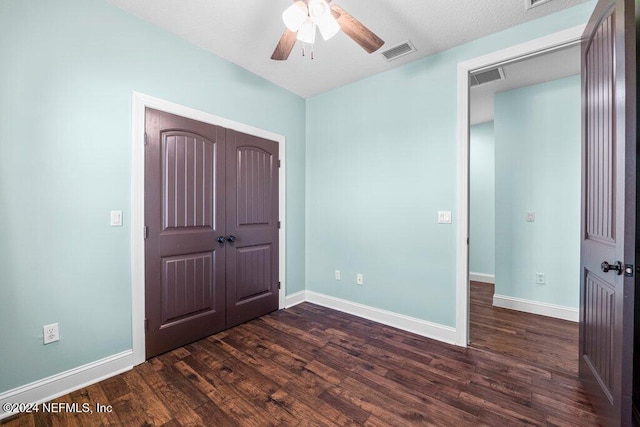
pixel 156 413
pixel 227 401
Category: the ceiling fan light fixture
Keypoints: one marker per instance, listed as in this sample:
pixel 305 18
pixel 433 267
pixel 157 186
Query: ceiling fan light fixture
pixel 295 15
pixel 303 17
pixel 318 9
pixel 328 26
pixel 307 33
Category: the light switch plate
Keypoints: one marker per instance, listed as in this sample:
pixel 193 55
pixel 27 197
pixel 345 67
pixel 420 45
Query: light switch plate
pixel 444 217
pixel 116 218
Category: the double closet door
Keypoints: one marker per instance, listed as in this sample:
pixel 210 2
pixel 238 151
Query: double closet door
pixel 211 218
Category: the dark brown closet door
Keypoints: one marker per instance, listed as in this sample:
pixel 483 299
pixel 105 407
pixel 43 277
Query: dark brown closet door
pixel 252 225
pixel 184 216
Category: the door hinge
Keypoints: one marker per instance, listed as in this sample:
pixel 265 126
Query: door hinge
pixel 279 285
pixel 467 240
pixel 145 232
pixel 146 139
pixel 146 324
pixel 279 164
pixel 279 224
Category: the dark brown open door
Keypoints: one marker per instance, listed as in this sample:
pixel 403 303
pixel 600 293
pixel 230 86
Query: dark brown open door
pixel 252 224
pixel 184 216
pixel 608 210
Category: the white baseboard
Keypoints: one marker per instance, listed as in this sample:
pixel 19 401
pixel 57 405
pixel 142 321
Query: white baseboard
pixel 68 381
pixel 427 329
pixel 481 277
pixel 295 299
pixel 535 307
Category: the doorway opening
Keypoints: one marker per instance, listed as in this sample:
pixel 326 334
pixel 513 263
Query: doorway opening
pixel 548 44
pixel 525 180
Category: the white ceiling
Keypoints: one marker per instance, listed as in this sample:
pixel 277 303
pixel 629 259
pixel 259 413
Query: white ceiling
pixel 538 69
pixel 245 32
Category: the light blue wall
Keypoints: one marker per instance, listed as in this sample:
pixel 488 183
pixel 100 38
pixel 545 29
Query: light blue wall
pixel 537 134
pixel 381 161
pixel 67 74
pixel 482 200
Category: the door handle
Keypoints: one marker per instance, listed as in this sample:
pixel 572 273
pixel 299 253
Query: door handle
pixel 231 238
pixel 221 240
pixel 606 267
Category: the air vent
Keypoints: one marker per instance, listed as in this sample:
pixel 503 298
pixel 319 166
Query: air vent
pixel 488 76
pixel 399 50
pixel 528 4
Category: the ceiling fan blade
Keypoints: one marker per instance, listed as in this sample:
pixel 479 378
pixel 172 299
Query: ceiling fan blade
pixel 285 45
pixel 358 32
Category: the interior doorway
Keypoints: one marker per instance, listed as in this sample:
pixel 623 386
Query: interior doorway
pixel 545 44
pixel 525 150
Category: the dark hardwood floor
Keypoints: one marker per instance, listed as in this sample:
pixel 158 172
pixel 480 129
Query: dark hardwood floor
pixel 540 340
pixel 309 365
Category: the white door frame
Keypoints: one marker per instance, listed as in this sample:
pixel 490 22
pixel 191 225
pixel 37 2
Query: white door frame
pixel 551 42
pixel 139 103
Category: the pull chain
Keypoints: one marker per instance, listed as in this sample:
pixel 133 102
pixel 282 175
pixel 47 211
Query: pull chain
pixel 304 50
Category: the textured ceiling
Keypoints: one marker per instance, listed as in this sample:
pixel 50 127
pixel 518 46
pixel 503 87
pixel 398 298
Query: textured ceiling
pixel 245 32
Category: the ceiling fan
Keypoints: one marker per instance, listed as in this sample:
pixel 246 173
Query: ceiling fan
pixel 303 17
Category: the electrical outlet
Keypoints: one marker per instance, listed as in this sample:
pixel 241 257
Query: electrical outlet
pixel 540 278
pixel 337 274
pixel 359 279
pixel 50 333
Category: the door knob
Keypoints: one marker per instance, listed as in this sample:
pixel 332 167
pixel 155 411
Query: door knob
pixel 606 267
pixel 221 240
pixel 231 238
